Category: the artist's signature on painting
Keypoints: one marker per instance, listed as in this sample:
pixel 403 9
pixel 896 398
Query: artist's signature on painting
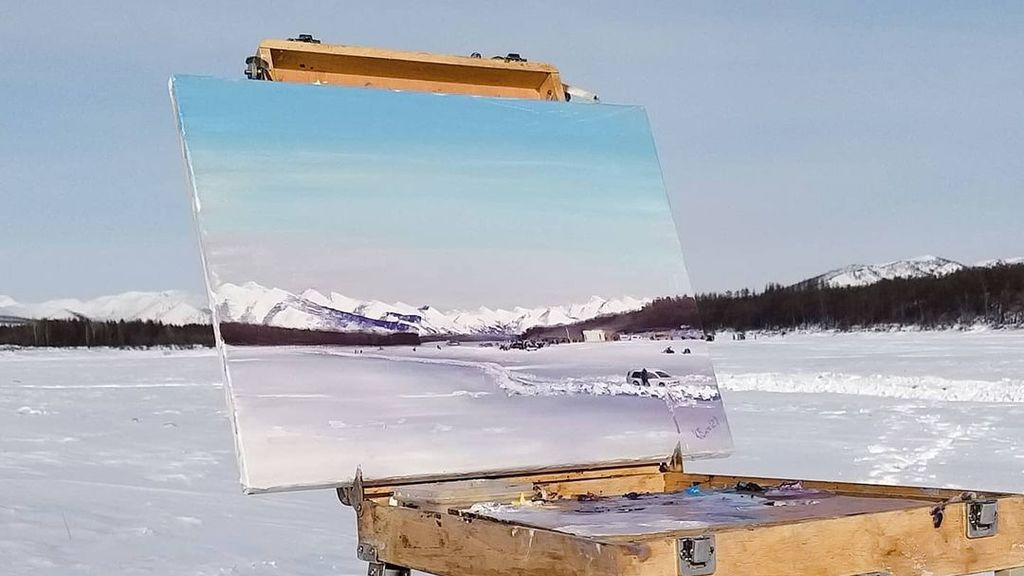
pixel 703 432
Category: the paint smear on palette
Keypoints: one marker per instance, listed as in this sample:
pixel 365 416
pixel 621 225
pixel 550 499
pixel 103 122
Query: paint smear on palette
pixel 430 286
pixel 688 509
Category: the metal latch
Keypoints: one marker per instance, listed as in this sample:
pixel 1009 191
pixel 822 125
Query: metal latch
pixel 982 518
pixel 696 555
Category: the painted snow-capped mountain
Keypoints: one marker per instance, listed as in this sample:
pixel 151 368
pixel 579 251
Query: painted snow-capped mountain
pixel 251 303
pixel 170 307
pixel 920 267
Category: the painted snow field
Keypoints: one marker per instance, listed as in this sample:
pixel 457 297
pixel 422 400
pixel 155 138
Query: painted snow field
pixel 319 412
pixel 122 462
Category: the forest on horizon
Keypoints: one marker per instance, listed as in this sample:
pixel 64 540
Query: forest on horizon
pixel 990 296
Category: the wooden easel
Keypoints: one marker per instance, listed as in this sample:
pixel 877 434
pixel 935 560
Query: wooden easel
pixel 866 530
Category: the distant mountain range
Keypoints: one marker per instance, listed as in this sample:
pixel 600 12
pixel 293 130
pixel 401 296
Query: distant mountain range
pixel 920 267
pixel 251 303
pixel 171 307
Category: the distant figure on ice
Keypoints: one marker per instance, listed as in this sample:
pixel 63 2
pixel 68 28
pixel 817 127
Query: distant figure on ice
pixel 645 377
pixel 686 350
pixel 668 350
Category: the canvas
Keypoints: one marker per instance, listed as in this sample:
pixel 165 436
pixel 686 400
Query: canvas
pixel 424 285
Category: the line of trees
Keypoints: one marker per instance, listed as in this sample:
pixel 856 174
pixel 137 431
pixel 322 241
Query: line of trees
pixel 142 334
pixel 122 334
pixel 992 296
pixel 258 335
pixel 661 314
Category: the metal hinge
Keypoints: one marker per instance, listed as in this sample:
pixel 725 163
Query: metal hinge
pixel 696 555
pixel 353 495
pixel 366 553
pixel 982 518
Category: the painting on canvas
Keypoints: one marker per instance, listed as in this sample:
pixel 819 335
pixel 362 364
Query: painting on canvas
pixel 422 285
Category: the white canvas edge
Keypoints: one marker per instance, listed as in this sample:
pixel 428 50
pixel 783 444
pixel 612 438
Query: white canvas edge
pixel 193 193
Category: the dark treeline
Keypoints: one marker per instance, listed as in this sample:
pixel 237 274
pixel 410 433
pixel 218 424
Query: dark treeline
pixel 992 296
pixel 141 334
pixel 660 314
pixel 253 334
pixel 123 334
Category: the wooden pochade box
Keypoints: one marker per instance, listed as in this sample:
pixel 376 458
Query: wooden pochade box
pixel 858 529
pixel 440 527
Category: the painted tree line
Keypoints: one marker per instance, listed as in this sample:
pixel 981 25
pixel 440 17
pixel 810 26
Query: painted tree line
pixel 992 296
pixel 122 334
pixel 143 334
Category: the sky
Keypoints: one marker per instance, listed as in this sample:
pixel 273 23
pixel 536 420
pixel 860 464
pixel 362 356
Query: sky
pixel 794 137
pixel 453 201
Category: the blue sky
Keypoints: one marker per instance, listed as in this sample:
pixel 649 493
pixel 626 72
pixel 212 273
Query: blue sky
pixel 451 201
pixel 794 136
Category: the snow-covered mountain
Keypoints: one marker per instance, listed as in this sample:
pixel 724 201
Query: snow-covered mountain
pixel 999 262
pixel 865 274
pixel 251 303
pixel 920 267
pixel 171 307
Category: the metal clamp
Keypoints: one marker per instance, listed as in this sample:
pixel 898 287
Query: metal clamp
pixel 256 68
pixel 982 518
pixel 696 555
pixel 307 38
pixel 381 569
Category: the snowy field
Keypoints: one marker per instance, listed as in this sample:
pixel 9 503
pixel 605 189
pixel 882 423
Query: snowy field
pixel 118 462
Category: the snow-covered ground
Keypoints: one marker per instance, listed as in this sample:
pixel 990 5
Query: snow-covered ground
pixel 115 462
pixel 927 408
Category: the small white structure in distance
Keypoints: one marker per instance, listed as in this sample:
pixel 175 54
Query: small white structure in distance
pixel 595 336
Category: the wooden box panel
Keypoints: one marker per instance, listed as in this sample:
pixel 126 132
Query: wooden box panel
pixel 340 65
pixel 863 529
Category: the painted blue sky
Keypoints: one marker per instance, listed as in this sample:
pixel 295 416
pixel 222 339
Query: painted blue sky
pixel 451 201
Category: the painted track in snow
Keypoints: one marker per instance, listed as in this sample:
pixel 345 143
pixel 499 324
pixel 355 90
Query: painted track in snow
pixel 516 380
